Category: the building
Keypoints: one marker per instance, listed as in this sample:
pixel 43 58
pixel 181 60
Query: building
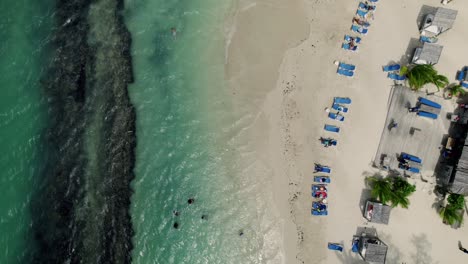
pixel 439 21
pixel 427 54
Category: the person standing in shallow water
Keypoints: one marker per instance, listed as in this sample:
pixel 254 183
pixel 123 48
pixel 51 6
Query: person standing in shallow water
pixel 191 200
pixel 174 32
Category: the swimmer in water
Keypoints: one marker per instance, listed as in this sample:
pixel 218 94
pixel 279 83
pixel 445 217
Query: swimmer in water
pixel 174 31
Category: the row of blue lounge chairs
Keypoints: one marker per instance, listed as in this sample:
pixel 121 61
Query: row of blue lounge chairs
pixel 393 72
pixel 320 190
pixel 345 69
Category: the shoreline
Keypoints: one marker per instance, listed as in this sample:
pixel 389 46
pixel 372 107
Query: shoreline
pixel 255 44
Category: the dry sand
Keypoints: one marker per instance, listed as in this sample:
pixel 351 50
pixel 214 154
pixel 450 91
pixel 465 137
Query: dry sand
pixel 280 66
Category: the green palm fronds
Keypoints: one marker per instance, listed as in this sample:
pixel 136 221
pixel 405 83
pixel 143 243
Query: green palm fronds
pixel 420 75
pixel 450 215
pixel 394 190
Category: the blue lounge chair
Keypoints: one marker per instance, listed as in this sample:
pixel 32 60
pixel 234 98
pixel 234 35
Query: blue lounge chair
pixel 355 244
pixel 346 46
pixel 319 191
pixel 319 208
pixel 461 75
pixel 336 116
pixel 373 1
pixel 407 156
pixel 361 13
pixel 427 114
pixel 464 84
pixel 357 40
pixel 320 168
pixel 335 246
pixel 365 6
pixel 346 66
pixel 326 142
pixel 396 77
pixel 340 108
pixel 345 72
pixel 322 179
pixel 332 128
pixel 408 168
pixel 359 29
pixel 428 39
pixel 341 100
pixel 392 67
pixel 428 102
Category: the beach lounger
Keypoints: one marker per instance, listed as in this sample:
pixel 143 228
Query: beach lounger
pixel 407 168
pixel 320 168
pixel 346 46
pixel 326 142
pixel 335 246
pixel 361 13
pixel 336 116
pixel 345 72
pixel 392 67
pixel 428 102
pixel 425 39
pixel 340 108
pixel 407 156
pixel 365 6
pixel 341 100
pixel 322 179
pixel 373 1
pixel 358 29
pixel 319 208
pixel 429 109
pixel 346 66
pixel 319 191
pixel 426 114
pixel 355 244
pixel 464 84
pixel 461 75
pixel 357 40
pixel 331 128
pixel 396 77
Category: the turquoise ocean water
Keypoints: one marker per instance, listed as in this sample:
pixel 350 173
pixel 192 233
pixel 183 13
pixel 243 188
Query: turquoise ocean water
pixel 186 134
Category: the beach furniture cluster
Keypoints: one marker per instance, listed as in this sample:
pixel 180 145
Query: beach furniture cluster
pixel 393 71
pixel 320 190
pixel 462 76
pixel 426 108
pixel 409 163
pixel 320 185
pixel 360 25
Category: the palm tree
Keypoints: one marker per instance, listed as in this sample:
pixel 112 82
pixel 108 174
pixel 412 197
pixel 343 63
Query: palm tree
pixel 402 190
pixel 456 200
pixel 450 215
pixel 381 189
pixel 420 75
pixel 456 90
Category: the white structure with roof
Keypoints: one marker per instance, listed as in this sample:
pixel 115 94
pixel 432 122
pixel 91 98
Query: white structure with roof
pixel 438 22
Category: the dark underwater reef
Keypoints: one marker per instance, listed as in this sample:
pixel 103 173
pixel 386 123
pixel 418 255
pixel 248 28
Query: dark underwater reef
pixel 81 207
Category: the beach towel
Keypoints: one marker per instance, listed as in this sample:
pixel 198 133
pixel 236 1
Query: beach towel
pixel 320 168
pixel 332 128
pixel 340 108
pixel 341 100
pixel 335 246
pixel 428 102
pixel 345 72
pixel 392 67
pixel 336 116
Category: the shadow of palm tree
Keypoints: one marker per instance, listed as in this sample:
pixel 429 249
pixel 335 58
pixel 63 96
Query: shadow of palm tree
pixel 422 248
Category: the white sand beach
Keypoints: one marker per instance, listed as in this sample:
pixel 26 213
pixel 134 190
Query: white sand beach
pixel 280 65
